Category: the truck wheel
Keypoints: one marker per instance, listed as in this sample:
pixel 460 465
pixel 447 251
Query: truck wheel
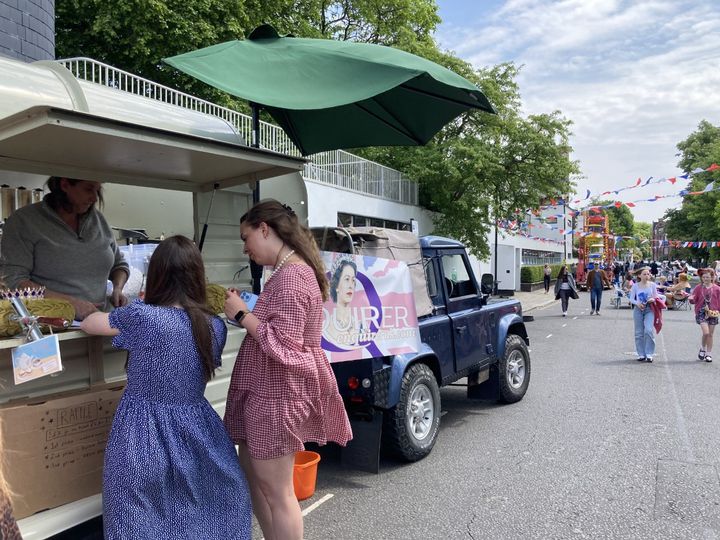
pixel 411 427
pixel 513 371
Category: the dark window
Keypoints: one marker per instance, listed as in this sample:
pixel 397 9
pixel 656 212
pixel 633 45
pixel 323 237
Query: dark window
pixel 344 220
pixel 458 278
pixel 353 220
pixel 431 281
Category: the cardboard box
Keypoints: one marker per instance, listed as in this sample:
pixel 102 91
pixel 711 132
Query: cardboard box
pixel 54 447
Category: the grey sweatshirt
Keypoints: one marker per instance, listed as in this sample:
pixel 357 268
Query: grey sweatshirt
pixel 38 245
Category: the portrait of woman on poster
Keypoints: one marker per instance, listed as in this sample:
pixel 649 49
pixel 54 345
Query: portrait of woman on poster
pixel 342 327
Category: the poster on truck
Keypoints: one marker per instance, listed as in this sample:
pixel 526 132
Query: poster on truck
pixel 370 311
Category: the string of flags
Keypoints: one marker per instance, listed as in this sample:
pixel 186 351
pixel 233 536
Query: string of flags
pixel 687 244
pixel 522 228
pixel 638 184
pixel 618 239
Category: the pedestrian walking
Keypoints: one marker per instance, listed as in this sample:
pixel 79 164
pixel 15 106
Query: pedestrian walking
pixel 547 274
pixel 565 289
pixel 706 299
pixel 642 294
pixel 596 279
pixel 170 467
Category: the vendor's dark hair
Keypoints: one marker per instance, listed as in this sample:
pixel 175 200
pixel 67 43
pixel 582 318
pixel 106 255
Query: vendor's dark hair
pixel 57 198
pixel 176 275
pixel 283 220
pixel 335 279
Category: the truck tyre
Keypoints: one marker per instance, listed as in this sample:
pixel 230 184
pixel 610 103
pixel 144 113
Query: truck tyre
pixel 513 370
pixel 411 426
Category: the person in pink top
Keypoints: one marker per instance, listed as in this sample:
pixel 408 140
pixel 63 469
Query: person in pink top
pixel 706 299
pixel 283 392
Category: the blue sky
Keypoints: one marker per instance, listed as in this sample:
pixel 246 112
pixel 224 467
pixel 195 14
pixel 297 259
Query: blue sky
pixel 635 78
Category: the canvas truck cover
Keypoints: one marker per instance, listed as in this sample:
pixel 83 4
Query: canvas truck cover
pixel 384 243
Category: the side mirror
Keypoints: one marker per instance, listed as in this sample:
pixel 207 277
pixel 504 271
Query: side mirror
pixel 487 283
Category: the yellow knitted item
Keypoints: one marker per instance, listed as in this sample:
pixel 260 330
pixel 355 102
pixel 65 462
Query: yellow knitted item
pixel 216 297
pixel 44 307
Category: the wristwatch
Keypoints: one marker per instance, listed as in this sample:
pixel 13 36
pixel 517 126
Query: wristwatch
pixel 240 315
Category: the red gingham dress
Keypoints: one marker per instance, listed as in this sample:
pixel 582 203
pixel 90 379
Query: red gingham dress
pixel 283 391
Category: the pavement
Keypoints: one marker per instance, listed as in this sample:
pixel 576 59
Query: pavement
pixel 535 299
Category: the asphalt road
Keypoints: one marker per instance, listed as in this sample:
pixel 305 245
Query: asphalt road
pixel 601 447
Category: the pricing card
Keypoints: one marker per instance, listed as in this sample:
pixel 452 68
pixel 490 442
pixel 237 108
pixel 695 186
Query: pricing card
pixel 36 359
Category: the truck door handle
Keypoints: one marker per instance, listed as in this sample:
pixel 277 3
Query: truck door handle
pixel 461 329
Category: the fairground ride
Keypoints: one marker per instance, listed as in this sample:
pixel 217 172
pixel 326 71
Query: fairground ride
pixel 596 245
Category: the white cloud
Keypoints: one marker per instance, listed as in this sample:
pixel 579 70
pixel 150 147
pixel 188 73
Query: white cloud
pixel 636 78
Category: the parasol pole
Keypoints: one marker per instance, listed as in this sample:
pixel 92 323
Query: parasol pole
pixel 207 218
pixel 256 270
pixel 255 125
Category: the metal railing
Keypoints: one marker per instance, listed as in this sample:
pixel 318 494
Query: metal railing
pixel 338 168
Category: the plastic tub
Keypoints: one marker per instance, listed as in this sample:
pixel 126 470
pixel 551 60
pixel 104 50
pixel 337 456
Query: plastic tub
pixel 138 258
pixel 305 474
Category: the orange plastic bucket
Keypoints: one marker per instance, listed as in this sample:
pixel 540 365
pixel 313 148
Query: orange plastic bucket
pixel 305 474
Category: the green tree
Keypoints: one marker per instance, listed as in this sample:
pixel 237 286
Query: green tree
pixel 135 35
pixel 484 167
pixel 621 220
pixel 643 240
pixel 699 216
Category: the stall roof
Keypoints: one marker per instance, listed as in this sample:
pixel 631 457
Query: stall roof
pixel 52 124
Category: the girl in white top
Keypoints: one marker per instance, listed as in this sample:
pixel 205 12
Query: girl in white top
pixel 642 294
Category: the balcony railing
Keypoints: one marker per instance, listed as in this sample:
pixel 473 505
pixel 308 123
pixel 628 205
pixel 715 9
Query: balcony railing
pixel 338 168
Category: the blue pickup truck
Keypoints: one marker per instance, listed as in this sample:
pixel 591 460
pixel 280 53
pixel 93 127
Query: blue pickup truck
pixel 465 334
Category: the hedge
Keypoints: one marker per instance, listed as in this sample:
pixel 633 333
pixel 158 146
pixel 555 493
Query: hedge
pixel 535 273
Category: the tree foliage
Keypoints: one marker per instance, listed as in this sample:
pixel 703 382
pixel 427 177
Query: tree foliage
pixel 621 220
pixel 643 244
pixel 484 167
pixel 699 216
pixel 135 35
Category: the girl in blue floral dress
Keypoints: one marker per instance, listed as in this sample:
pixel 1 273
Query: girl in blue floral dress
pixel 171 470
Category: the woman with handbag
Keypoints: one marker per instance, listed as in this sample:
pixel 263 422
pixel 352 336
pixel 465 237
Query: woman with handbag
pixel 706 298
pixel 565 288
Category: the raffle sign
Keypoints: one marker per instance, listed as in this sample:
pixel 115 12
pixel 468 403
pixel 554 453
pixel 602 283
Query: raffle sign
pixel 371 309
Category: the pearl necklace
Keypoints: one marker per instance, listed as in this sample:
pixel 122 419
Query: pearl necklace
pixel 280 265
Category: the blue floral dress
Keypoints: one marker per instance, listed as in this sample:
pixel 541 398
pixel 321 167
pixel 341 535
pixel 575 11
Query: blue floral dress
pixel 171 470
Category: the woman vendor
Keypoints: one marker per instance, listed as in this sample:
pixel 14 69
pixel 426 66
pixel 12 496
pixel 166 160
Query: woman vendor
pixel 64 244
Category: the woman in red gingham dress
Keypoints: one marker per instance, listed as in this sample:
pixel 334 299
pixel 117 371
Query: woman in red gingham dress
pixel 283 392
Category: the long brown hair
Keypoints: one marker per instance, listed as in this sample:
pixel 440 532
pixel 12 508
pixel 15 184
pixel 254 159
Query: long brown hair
pixel 176 275
pixel 297 236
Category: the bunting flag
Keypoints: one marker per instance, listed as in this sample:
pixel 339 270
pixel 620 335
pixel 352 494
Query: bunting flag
pixel 640 183
pixel 687 243
pixel 521 227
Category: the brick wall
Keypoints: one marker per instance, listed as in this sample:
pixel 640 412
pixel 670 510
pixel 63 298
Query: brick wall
pixel 27 29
